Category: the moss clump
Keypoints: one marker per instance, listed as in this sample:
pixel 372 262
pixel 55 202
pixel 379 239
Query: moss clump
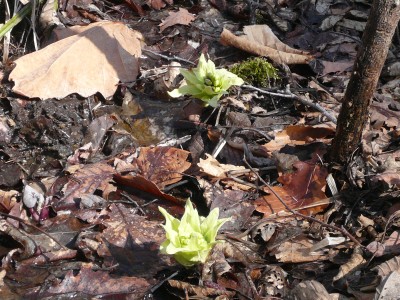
pixel 256 71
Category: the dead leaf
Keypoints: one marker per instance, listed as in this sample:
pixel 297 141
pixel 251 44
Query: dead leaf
pixel 260 40
pixel 212 167
pixel 93 283
pixel 302 190
pixel 201 291
pixel 182 16
pixel 145 185
pixel 297 250
pixel 356 262
pixel 158 4
pixel 131 241
pixel 298 135
pixel 94 60
pixel 162 165
pixel 85 180
pixel 388 266
pixel 7 200
pixel 390 177
pixel 336 66
pixel 388 288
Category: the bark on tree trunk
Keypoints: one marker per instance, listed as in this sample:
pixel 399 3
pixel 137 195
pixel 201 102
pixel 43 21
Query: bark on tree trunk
pixel 382 22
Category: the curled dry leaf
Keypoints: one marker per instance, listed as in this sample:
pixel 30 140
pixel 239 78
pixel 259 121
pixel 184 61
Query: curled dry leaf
pixel 260 40
pixel 93 60
pixel 143 184
pixel 182 16
pixel 7 200
pixel 212 167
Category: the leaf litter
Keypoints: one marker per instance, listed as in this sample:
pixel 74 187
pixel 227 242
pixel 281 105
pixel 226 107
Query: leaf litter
pixel 82 177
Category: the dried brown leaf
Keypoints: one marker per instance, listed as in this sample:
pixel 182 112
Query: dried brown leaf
pixel 214 168
pixel 260 40
pixel 7 200
pixel 182 16
pixel 200 290
pixel 94 283
pixel 302 189
pixel 94 60
pixel 162 165
pixel 297 250
pixel 85 180
pixel 143 184
pixel 298 135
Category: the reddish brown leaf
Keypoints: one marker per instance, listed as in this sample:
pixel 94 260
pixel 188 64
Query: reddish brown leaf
pixel 135 5
pixel 156 4
pixel 145 185
pixel 302 190
pixel 162 165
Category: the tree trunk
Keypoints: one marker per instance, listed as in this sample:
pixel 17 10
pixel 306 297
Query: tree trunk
pixel 382 22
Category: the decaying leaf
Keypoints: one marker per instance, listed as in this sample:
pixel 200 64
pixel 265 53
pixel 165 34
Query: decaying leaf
pixel 182 16
pixel 388 266
pixel 260 40
pixel 355 263
pixel 85 180
pixel 200 291
pixel 297 250
pixel 94 60
pixel 389 288
pixel 90 282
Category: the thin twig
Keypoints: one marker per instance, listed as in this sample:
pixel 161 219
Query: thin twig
pixel 131 200
pixel 288 94
pixel 172 58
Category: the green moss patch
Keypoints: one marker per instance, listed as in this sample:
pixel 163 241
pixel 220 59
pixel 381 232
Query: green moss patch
pixel 256 71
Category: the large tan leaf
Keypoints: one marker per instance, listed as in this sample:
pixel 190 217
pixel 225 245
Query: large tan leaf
pixel 93 60
pixel 260 40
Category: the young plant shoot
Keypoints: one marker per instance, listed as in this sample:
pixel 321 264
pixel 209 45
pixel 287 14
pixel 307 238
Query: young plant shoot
pixel 190 239
pixel 206 83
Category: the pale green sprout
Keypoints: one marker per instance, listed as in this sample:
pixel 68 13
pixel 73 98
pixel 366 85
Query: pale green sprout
pixel 190 239
pixel 206 83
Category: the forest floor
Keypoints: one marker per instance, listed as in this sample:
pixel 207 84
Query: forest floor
pixel 91 145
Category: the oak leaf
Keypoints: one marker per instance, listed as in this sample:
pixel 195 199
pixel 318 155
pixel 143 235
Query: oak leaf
pixel 93 60
pixel 182 16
